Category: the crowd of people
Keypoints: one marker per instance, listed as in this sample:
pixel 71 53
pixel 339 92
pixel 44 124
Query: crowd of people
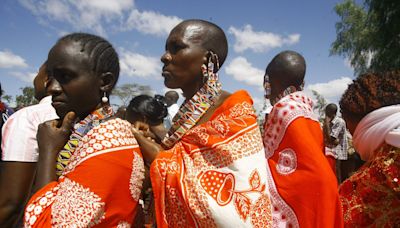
pixel 70 161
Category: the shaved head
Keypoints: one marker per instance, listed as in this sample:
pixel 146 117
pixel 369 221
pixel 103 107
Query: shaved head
pixel 289 67
pixel 171 97
pixel 211 36
pixel 331 110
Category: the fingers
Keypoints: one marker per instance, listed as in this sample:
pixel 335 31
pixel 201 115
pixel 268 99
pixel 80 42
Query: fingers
pixel 68 121
pixel 134 130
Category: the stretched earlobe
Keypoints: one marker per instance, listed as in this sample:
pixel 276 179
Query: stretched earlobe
pixel 108 80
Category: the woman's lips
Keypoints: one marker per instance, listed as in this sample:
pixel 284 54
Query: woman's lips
pixel 57 104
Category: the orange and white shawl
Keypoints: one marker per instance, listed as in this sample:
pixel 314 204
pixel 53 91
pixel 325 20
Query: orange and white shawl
pixel 302 185
pixel 215 176
pixel 100 186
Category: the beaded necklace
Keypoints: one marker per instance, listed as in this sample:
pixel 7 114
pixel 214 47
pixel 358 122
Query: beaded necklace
pixel 81 129
pixel 193 109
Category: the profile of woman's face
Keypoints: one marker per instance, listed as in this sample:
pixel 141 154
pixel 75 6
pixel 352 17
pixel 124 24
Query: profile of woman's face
pixel 183 56
pixel 73 85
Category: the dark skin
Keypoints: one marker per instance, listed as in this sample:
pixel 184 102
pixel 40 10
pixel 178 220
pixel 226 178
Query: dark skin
pixel 330 114
pixel 76 91
pixel 154 131
pixel 286 69
pixel 171 97
pixel 16 178
pixel 183 58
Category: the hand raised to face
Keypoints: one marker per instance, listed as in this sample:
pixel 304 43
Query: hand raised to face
pixel 53 135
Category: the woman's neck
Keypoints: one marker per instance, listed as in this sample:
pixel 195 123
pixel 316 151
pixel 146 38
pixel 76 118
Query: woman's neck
pixel 191 90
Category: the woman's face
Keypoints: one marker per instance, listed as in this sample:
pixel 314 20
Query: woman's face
pixel 72 83
pixel 183 57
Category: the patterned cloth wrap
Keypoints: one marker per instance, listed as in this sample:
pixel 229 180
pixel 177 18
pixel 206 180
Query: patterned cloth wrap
pixel 100 185
pixel 301 182
pixel 215 176
pixel 371 196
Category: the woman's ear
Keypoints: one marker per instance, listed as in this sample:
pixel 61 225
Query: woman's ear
pixel 108 81
pixel 211 56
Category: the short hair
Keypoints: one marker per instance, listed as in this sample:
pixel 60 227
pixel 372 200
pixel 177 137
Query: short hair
pixel 369 92
pixel 290 66
pixel 102 56
pixel 152 108
pixel 331 108
pixel 173 95
pixel 214 38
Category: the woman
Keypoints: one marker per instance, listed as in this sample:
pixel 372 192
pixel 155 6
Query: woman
pixel 100 169
pixel 371 108
pixel 149 111
pixel 210 170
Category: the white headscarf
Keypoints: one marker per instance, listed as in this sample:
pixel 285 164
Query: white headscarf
pixel 379 126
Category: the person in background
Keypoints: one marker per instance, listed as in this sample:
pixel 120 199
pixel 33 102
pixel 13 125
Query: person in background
pixel 301 183
pixel 335 138
pixel 5 112
pixel 90 169
pixel 149 111
pixel 371 108
pixel 210 169
pixel 171 98
pixel 20 152
pixel 121 112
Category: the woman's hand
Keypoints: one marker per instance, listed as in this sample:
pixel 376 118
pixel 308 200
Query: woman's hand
pixel 54 134
pixel 51 137
pixel 148 146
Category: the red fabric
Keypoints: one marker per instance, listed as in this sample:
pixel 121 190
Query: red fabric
pixel 311 191
pixel 216 175
pixel 100 186
pixel 306 188
pixel 371 196
pixel 332 163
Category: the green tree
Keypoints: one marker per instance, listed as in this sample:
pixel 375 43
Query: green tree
pixel 320 105
pixel 27 98
pixel 126 92
pixel 368 34
pixel 7 98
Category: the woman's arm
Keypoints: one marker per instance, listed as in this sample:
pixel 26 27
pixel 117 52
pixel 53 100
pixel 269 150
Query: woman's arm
pixel 148 147
pixel 16 180
pixel 51 136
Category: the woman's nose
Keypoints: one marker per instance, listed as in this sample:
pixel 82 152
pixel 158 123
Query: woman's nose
pixel 166 57
pixel 53 87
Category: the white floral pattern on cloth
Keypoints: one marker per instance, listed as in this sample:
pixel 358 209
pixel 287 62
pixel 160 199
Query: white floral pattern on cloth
pixel 229 146
pixel 34 209
pixel 222 188
pixel 282 214
pixel 225 154
pixel 283 113
pixel 175 208
pixel 123 224
pixel 111 134
pixel 287 162
pixel 76 206
pixel 137 177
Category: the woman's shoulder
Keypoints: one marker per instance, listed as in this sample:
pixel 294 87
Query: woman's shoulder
pixel 228 101
pixel 111 133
